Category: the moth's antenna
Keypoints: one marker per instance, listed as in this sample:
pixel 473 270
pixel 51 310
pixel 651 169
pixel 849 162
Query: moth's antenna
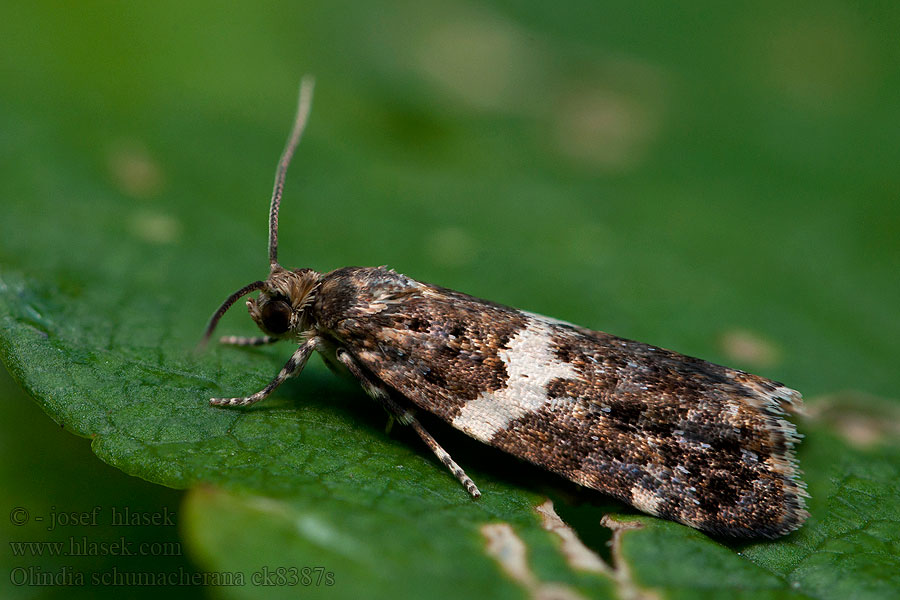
pixel 256 285
pixel 303 106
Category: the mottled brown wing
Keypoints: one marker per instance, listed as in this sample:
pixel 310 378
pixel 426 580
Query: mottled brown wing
pixel 674 436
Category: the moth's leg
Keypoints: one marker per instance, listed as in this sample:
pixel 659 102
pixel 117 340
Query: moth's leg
pixel 234 340
pixel 379 392
pixel 445 458
pixel 293 366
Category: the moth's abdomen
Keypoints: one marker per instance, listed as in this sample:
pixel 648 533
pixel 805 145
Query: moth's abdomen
pixel 674 436
pixel 719 476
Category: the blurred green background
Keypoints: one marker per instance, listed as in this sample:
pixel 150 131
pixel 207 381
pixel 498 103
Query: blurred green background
pixel 716 179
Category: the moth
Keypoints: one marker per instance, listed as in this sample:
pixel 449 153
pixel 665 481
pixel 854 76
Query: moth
pixel 674 436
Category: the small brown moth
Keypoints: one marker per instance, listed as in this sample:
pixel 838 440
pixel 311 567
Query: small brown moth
pixel 672 435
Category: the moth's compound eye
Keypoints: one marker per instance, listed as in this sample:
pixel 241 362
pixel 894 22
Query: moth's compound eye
pixel 276 316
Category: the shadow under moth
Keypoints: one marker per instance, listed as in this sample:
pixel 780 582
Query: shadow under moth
pixel 674 436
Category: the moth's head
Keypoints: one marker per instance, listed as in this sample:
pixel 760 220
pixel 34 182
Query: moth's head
pixel 281 307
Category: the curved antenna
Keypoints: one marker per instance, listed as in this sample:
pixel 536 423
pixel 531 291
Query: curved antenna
pixel 303 106
pixel 256 285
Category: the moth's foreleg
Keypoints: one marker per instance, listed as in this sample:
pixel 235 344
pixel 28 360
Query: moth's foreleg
pixel 379 392
pixel 234 340
pixel 292 367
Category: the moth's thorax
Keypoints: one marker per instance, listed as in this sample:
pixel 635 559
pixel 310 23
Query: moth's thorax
pixel 351 293
pixel 281 307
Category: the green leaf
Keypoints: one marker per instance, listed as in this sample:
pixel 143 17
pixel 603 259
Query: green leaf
pixel 719 181
pixel 69 517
